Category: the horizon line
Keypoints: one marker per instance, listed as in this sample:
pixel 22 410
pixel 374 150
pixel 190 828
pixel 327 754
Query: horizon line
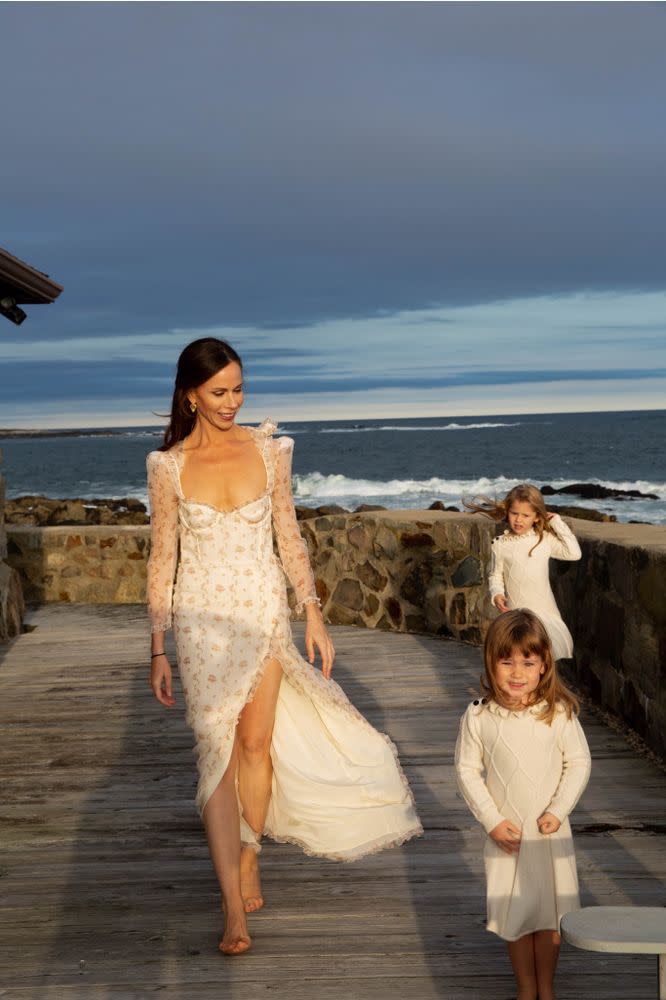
pixel 251 419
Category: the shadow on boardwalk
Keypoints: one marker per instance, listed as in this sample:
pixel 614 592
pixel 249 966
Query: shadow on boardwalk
pixel 107 887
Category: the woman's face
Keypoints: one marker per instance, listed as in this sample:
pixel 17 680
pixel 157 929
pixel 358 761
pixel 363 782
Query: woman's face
pixel 220 398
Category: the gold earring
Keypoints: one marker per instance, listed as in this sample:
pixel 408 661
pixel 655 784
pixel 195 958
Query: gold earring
pixel 193 407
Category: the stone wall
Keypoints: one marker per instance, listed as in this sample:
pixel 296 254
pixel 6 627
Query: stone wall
pixel 89 565
pixel 11 595
pixel 421 571
pixel 404 571
pixel 614 601
pixel 415 571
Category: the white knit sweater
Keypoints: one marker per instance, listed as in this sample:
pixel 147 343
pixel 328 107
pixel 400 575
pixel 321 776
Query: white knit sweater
pixel 520 571
pixel 510 765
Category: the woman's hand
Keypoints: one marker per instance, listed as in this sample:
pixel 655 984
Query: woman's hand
pixel 501 603
pixel 160 680
pixel 507 836
pixel 317 636
pixel 548 823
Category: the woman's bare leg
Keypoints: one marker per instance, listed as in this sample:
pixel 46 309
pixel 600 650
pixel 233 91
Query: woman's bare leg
pixel 255 773
pixel 546 953
pixel 521 953
pixel 222 824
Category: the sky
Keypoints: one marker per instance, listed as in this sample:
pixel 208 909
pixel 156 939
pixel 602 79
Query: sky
pixel 390 209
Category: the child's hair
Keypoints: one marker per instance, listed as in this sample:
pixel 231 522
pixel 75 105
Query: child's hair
pixel 523 493
pixel 522 629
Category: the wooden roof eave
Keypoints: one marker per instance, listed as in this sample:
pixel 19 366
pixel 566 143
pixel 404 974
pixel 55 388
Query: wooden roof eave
pixel 24 283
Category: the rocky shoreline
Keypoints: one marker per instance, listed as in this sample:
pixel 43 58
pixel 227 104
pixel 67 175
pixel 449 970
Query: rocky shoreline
pixel 41 511
pixel 595 491
pixel 10 432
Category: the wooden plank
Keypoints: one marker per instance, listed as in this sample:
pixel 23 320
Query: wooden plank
pixel 104 861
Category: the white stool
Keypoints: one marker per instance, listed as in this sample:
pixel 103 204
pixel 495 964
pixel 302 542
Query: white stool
pixel 627 929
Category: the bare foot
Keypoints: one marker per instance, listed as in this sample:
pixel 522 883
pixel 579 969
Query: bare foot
pixel 250 881
pixel 235 940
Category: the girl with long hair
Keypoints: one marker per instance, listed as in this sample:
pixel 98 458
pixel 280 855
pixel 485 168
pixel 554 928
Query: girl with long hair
pixel 522 763
pixel 280 748
pixel 518 575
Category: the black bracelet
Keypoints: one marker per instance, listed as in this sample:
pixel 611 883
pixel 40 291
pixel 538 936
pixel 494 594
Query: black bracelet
pixel 157 654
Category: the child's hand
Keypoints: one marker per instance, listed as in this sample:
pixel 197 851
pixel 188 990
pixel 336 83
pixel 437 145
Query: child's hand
pixel 501 603
pixel 548 823
pixel 507 836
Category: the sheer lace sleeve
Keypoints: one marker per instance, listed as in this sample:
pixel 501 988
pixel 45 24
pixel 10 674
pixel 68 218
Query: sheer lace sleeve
pixel 163 540
pixel 293 550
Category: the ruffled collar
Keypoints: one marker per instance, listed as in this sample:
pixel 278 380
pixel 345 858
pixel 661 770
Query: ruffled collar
pixel 509 536
pixel 535 709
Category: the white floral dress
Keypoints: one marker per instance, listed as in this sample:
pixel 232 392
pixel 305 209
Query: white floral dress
pixel 338 789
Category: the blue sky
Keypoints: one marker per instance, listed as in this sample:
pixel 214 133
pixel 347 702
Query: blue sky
pixel 389 209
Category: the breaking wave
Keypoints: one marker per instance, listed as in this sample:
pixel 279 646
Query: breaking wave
pixel 415 427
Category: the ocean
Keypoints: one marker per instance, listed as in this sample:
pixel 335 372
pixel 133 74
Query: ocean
pixel 396 463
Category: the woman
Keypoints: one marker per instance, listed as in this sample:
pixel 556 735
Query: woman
pixel 280 748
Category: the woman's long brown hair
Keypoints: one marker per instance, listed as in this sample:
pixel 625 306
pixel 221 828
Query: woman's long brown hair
pixel 523 493
pixel 198 362
pixel 524 630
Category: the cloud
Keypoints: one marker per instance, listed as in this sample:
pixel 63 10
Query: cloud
pixel 248 165
pixel 439 206
pixel 561 397
pixel 527 355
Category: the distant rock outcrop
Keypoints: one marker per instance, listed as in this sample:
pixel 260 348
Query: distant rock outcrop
pixel 582 513
pixel 594 491
pixel 43 511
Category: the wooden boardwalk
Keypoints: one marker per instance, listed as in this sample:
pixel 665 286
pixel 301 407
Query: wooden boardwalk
pixel 105 883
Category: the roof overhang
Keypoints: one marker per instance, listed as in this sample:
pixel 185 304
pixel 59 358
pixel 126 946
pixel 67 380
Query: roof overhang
pixel 23 283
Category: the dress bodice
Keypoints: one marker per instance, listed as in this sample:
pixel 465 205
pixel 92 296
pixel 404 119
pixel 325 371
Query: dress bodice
pixel 226 536
pixel 243 532
pixel 195 534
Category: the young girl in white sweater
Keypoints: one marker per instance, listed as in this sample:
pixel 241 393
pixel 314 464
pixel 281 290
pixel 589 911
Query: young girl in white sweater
pixel 522 763
pixel 519 565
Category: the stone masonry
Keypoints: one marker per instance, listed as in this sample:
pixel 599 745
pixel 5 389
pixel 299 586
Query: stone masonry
pixel 420 571
pixel 614 601
pixel 88 565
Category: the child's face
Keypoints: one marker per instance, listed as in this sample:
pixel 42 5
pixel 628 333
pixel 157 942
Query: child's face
pixel 518 675
pixel 521 517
